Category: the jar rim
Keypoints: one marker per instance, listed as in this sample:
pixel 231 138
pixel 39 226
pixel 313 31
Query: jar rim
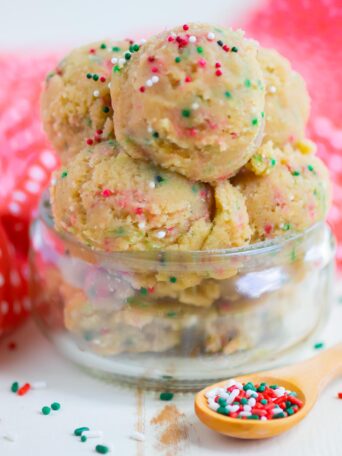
pixel 270 246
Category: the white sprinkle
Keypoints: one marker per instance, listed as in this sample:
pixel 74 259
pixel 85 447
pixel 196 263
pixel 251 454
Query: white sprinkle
pixel 245 414
pixel 141 225
pixel 53 181
pixel 239 385
pixel 161 234
pixel 109 85
pixel 233 395
pixel 155 79
pixel 230 382
pixel 150 129
pixel 96 93
pixel 247 408
pixel 173 34
pixel 92 434
pixel 211 36
pixel 280 391
pixel 2 280
pixel 212 404
pixel 211 393
pixel 19 196
pixel 192 39
pixel 121 61
pixel 114 60
pixel 149 83
pixel 142 41
pixel 152 184
pixel 38 385
pixel 233 408
pixel 263 418
pixel 137 436
pixel 10 436
pixel 272 89
pixel 14 208
pixel 252 393
pixel 251 401
pixel 276 410
pixel 4 307
pixel 195 106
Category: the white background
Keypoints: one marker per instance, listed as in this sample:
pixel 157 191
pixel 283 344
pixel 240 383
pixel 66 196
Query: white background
pixel 45 25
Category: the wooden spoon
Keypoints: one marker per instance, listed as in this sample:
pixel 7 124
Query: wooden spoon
pixel 307 379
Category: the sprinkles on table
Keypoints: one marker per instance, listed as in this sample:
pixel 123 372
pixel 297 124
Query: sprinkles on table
pixel 253 401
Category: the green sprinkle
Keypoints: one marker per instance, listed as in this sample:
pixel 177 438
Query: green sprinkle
pixel 310 168
pixel 173 279
pixel 262 114
pixel 200 49
pixel 264 401
pixel 128 55
pixel 195 188
pixel 279 415
pixel 89 75
pixel 102 449
pixel 116 69
pixel 46 410
pixel 64 174
pixel 247 83
pixel 136 47
pixel 273 162
pixel 236 403
pixel 227 94
pixel 83 438
pixel 286 227
pixel 171 314
pixel 253 417
pixel 55 406
pixel 14 387
pixel 103 46
pixel 244 401
pixel 290 411
pixel 155 134
pixel 160 179
pixel 78 431
pixel 116 49
pixel 166 396
pixel 235 49
pixel 178 59
pixel 318 345
pixel 95 77
pixel 131 48
pixel 273 387
pixel 50 75
pixel 255 121
pixel 222 401
pixel 222 411
pixel 186 112
pixel 143 291
pixel 105 109
pixel 296 173
pixel 261 389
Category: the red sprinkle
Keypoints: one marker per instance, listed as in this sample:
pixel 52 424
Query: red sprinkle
pixel 106 192
pixel 92 51
pixel 202 63
pixel 99 132
pixel 188 79
pixel 142 89
pixel 339 395
pixel 268 228
pixel 218 73
pixel 226 48
pixel 154 69
pixel 151 58
pixel 139 211
pixel 90 142
pixel 102 79
pixel 170 39
pixel 24 389
pixel 185 27
pixel 217 65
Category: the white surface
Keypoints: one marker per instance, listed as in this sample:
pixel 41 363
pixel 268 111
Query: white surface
pixel 48 23
pixel 113 409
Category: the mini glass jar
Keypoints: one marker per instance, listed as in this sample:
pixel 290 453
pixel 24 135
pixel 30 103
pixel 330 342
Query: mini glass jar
pixel 181 318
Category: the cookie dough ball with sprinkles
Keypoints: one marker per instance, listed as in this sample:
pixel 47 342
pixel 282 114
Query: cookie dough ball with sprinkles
pixel 230 226
pixel 112 202
pixel 76 105
pixel 287 105
pixel 191 100
pixel 294 195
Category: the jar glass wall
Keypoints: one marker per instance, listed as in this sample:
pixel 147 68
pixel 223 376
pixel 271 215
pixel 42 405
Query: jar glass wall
pixel 187 318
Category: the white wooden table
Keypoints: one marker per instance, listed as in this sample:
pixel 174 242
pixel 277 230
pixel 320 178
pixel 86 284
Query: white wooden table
pixel 119 411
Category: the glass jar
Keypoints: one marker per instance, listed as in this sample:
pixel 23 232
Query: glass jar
pixel 179 318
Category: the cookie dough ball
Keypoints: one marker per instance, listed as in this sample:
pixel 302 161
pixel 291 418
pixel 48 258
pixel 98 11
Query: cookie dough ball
pixel 287 105
pixel 294 195
pixel 191 100
pixel 230 227
pixel 76 104
pixel 112 202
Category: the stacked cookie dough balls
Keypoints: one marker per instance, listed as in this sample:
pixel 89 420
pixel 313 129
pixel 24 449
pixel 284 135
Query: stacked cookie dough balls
pixel 192 140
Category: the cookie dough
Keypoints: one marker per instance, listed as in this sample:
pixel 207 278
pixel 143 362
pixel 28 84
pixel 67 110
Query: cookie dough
pixel 192 101
pixel 76 104
pixel 111 202
pixel 287 105
pixel 294 195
